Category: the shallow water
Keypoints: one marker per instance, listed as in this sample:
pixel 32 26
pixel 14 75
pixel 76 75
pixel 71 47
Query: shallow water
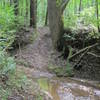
pixel 63 88
pixel 68 89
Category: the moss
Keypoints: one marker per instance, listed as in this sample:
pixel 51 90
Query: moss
pixel 22 62
pixel 61 71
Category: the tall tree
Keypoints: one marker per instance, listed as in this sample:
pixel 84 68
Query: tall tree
pixel 80 6
pixel 27 10
pixel 15 7
pixel 46 18
pixel 55 13
pixel 97 13
pixel 33 13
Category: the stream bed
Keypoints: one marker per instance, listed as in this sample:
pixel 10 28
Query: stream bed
pixel 68 89
pixel 37 56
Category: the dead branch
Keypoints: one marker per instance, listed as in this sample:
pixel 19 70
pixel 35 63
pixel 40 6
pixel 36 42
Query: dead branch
pixel 76 66
pixel 82 50
pixel 92 54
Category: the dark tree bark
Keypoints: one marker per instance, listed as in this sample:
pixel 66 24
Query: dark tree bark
pixel 33 13
pixel 55 13
pixel 46 19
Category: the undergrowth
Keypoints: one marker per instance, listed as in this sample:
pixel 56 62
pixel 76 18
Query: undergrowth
pixel 9 24
pixel 10 79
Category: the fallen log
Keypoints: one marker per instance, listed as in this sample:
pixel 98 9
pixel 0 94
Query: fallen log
pixel 82 50
pixel 77 64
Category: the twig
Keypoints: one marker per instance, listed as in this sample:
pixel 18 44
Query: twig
pixel 77 63
pixel 90 53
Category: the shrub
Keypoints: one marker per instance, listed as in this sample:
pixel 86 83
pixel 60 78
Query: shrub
pixel 7 64
pixel 10 78
pixel 9 23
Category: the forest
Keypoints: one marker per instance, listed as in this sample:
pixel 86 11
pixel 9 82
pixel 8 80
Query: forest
pixel 49 49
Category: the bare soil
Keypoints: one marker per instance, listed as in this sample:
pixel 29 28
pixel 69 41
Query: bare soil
pixel 40 54
pixel 36 57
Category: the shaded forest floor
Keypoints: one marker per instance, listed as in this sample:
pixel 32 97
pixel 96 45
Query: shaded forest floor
pixel 39 55
pixel 34 59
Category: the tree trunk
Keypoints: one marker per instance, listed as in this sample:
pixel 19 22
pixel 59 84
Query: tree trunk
pixel 55 22
pixel 80 6
pixel 46 18
pixel 33 13
pixel 55 12
pixel 15 7
pixel 97 14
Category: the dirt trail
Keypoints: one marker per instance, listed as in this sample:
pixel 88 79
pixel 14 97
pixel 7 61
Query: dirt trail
pixel 38 56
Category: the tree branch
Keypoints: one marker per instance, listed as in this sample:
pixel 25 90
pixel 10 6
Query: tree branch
pixel 82 50
pixel 64 4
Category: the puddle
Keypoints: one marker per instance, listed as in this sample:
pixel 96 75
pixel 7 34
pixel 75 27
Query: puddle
pixel 50 87
pixel 67 89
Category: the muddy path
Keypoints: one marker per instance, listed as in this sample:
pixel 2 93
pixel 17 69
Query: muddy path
pixel 37 56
